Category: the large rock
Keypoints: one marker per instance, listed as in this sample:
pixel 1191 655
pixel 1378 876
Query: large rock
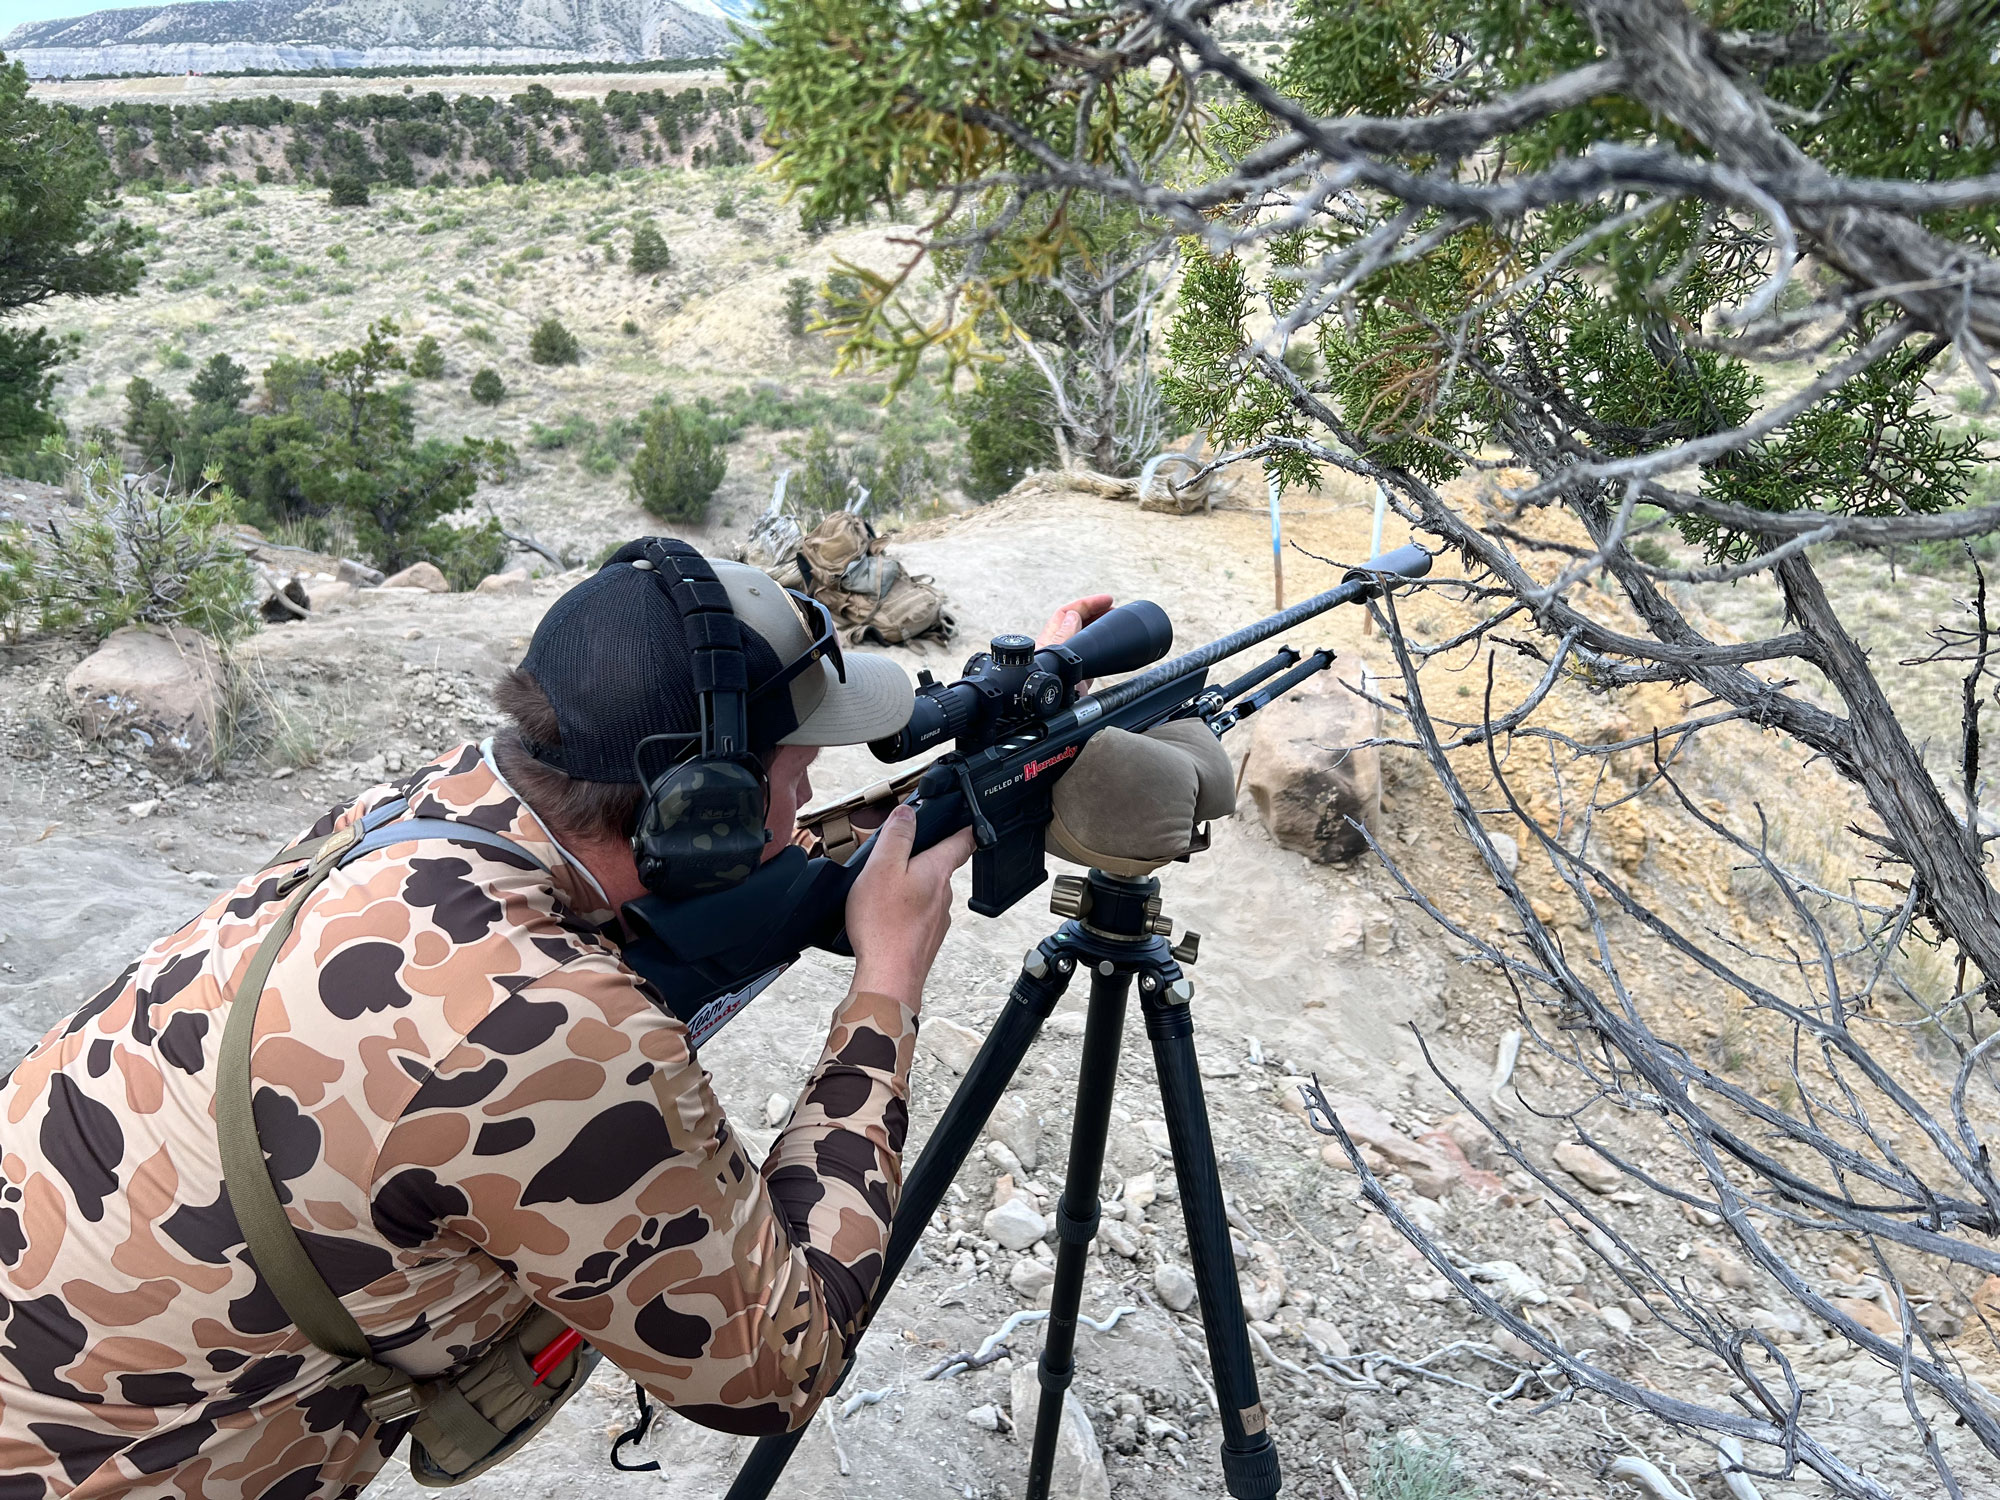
pixel 1431 1171
pixel 421 575
pixel 1308 781
pixel 513 581
pixel 162 687
pixel 950 1043
pixel 1588 1168
pixel 1079 1468
pixel 1015 1224
pixel 1015 1125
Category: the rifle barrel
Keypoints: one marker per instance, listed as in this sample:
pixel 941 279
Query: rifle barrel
pixel 1364 582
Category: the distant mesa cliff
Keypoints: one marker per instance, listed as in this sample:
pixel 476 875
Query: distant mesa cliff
pixel 227 35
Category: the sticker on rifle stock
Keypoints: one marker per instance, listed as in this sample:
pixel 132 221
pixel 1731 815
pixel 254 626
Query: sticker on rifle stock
pixel 713 1016
pixel 1253 1419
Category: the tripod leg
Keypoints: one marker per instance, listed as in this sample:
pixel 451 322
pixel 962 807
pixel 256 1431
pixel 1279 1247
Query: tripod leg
pixel 1041 984
pixel 1249 1458
pixel 1077 1213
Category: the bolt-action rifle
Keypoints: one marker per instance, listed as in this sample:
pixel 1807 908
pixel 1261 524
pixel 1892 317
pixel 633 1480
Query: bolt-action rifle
pixel 1018 719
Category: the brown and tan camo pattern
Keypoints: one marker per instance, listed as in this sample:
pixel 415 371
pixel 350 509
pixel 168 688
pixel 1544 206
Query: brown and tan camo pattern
pixel 467 1102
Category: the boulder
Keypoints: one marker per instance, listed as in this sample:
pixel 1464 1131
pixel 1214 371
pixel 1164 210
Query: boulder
pixel 513 581
pixel 421 575
pixel 1015 1224
pixel 161 687
pixel 1031 1277
pixel 1431 1171
pixel 1079 1467
pixel 1175 1284
pixel 330 593
pixel 950 1043
pixel 1015 1125
pixel 1588 1168
pixel 1309 783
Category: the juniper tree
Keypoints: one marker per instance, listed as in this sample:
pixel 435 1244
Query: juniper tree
pixel 649 250
pixel 1564 248
pixel 56 240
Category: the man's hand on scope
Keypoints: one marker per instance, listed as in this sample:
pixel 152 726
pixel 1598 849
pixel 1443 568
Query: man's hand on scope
pixel 1071 617
pixel 900 907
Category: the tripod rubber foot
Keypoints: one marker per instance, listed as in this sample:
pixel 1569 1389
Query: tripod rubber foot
pixel 1252 1473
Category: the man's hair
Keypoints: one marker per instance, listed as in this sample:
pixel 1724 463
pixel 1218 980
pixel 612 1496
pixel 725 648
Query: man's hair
pixel 571 808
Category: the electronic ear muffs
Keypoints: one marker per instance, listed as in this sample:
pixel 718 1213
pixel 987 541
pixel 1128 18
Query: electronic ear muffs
pixel 701 825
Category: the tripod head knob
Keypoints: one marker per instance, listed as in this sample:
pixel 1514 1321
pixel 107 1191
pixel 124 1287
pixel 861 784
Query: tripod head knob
pixel 1188 949
pixel 1069 897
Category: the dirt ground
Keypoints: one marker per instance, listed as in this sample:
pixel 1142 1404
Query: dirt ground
pixel 1305 969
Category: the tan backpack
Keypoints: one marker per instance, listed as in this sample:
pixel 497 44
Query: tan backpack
pixel 843 565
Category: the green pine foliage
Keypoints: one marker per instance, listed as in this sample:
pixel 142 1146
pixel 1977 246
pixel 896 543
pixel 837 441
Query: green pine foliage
pixel 553 344
pixel 1008 429
pixel 488 389
pixel 680 464
pixel 798 306
pixel 347 190
pixel 649 250
pixel 56 240
pixel 427 358
pixel 329 451
pixel 1426 359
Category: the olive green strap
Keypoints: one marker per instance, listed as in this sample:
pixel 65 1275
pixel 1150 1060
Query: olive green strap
pixel 280 1255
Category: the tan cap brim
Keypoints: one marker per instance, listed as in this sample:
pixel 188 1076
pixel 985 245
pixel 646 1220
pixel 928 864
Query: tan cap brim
pixel 874 701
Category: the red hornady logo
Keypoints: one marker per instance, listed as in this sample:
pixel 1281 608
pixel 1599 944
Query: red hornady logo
pixel 1035 768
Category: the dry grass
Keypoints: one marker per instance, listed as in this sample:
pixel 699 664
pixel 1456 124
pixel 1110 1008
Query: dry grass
pixel 275 270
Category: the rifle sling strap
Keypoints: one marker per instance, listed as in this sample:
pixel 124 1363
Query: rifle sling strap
pixel 273 1242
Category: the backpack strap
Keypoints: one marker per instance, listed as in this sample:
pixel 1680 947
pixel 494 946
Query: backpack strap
pixel 273 1242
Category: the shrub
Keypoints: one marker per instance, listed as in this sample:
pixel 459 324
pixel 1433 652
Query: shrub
pixel 264 173
pixel 128 555
pixel 553 344
pixel 1400 1468
pixel 220 383
pixel 427 359
pixel 1006 419
pixel 725 206
pixel 629 328
pixel 798 305
pixel 679 465
pixel 649 251
pixel 347 191
pixel 488 389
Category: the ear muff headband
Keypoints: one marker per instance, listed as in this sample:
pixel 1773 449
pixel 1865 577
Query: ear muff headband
pixel 701 827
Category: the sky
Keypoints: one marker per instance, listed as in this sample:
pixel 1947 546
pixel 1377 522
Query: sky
pixel 18 12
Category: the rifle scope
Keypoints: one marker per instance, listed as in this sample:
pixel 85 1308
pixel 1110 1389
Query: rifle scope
pixel 1011 682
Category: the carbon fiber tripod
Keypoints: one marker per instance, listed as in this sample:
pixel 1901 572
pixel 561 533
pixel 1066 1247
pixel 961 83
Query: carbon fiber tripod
pixel 1114 932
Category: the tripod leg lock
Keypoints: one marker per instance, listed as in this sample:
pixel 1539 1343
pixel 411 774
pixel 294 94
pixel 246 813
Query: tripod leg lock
pixel 1251 1474
pixel 1072 1229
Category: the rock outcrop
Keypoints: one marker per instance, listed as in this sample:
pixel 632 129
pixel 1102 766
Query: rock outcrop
pixel 1309 781
pixel 284 35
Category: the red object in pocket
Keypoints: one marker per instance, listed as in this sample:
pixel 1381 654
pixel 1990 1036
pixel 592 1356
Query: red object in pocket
pixel 560 1348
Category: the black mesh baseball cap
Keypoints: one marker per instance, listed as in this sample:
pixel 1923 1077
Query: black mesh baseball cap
pixel 611 656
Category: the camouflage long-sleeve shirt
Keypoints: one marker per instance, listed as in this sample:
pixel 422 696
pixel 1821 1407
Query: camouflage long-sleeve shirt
pixel 468 1102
